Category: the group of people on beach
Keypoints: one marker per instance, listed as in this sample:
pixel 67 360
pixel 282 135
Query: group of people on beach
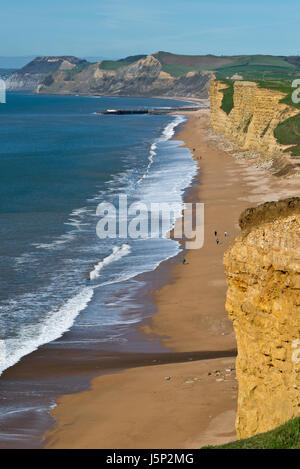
pixel 197 157
pixel 216 236
pixel 183 260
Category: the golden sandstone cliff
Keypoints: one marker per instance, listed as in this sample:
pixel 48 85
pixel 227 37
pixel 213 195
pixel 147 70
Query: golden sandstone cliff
pixel 255 114
pixel 263 300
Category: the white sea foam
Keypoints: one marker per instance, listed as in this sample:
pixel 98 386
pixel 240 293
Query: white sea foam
pixel 79 211
pixel 167 134
pixel 169 130
pixel 50 327
pixel 53 324
pixel 76 223
pixel 152 154
pixel 63 239
pixel 117 253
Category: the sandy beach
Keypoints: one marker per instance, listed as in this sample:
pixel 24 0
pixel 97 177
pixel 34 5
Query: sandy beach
pixel 192 403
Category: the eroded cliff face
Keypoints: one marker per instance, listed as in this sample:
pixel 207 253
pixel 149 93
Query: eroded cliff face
pixel 255 114
pixel 144 77
pixel 31 75
pixel 263 300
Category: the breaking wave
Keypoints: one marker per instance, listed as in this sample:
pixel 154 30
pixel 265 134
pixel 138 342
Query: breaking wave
pixel 117 253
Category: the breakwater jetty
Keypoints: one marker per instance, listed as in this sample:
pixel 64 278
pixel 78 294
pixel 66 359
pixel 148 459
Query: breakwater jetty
pixel 149 110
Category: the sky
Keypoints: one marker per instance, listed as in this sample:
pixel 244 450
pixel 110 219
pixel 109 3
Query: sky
pixel 118 28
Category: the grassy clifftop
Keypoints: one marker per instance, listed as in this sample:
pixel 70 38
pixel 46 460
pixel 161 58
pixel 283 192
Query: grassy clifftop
pixel 286 436
pixel 288 131
pixel 261 67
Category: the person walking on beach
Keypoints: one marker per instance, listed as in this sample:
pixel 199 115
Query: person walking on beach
pixel 225 234
pixel 216 233
pixel 217 241
pixel 183 261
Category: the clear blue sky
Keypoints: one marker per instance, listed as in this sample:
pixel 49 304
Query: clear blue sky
pixel 116 28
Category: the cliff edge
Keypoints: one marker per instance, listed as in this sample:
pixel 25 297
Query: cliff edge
pixel 249 115
pixel 263 300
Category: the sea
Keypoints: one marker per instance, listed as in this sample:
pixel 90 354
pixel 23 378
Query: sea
pixel 60 283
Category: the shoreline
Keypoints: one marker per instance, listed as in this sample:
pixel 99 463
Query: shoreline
pixel 181 373
pixel 63 370
pixel 190 404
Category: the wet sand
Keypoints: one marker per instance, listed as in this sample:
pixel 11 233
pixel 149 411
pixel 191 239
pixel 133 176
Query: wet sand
pixel 192 401
pixel 151 407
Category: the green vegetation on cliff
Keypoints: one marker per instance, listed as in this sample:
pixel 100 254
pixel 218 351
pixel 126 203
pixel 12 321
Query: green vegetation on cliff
pixel 278 85
pixel 112 64
pixel 70 74
pixel 179 70
pixel 227 101
pixel 286 436
pixel 288 131
pixel 283 86
pixel 116 64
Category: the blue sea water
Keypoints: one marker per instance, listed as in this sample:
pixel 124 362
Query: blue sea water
pixel 58 161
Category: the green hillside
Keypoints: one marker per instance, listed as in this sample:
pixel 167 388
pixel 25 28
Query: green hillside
pixel 116 64
pixel 177 65
pixel 113 64
pixel 260 67
pixel 251 67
